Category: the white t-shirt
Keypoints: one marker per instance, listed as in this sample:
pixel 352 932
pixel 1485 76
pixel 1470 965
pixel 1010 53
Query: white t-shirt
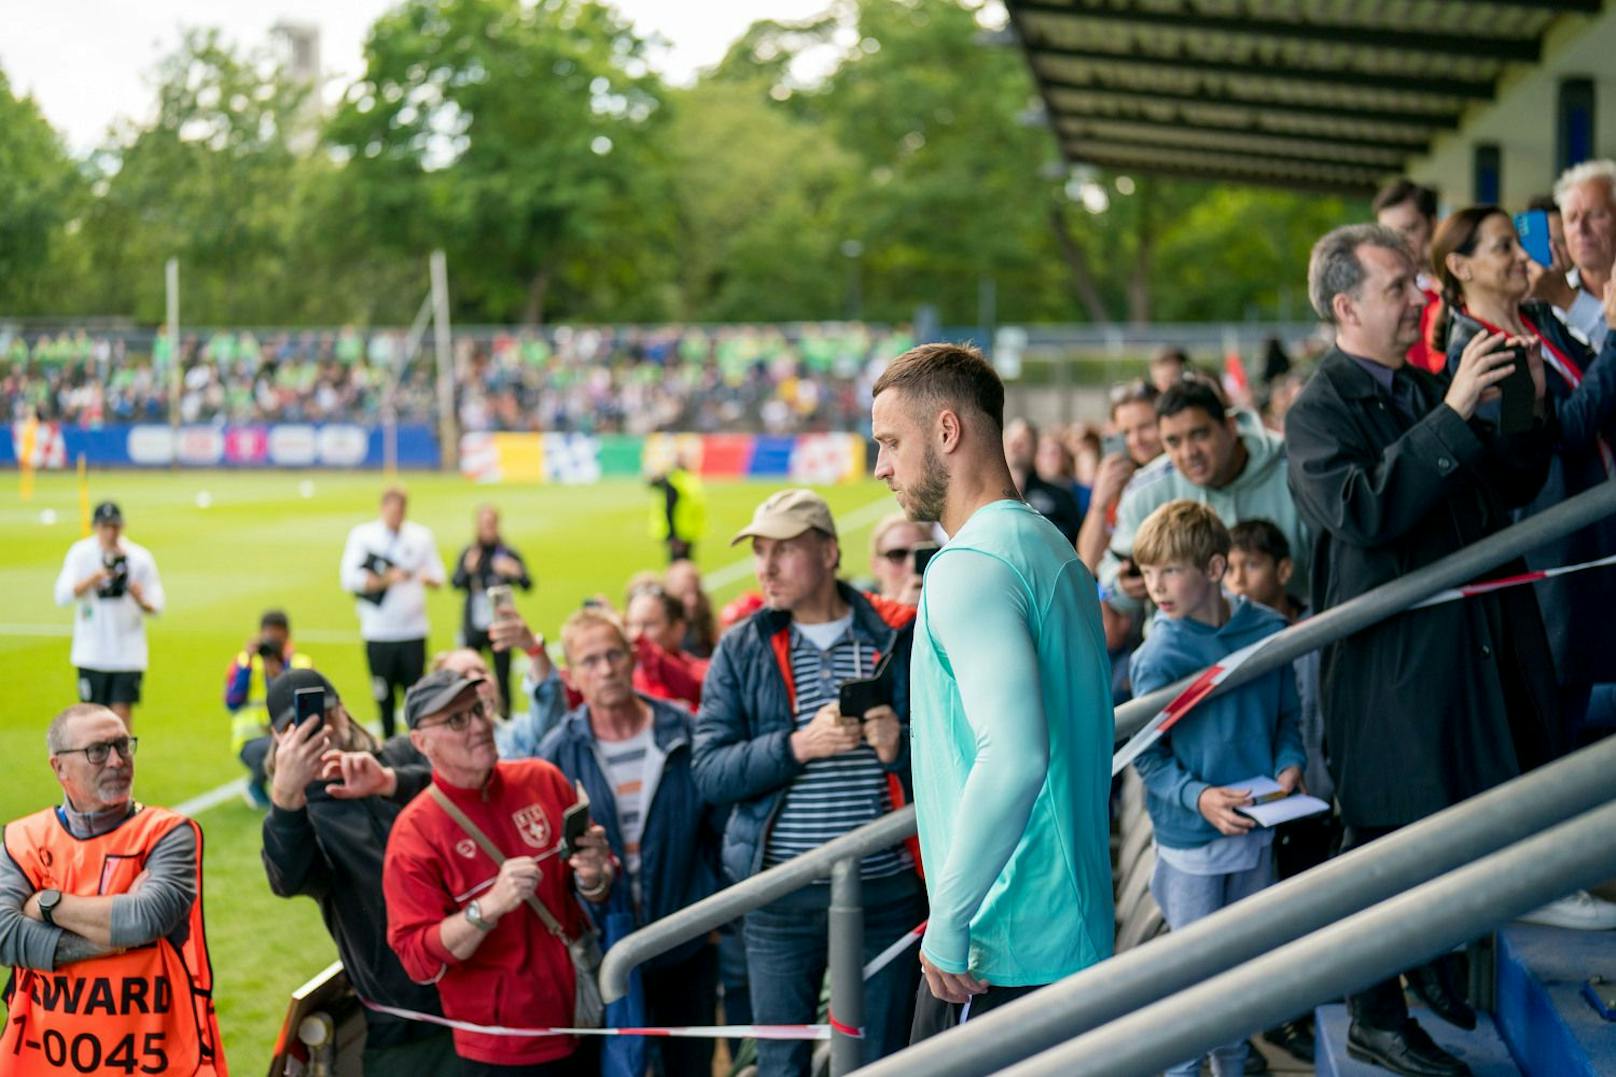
pixel 401 614
pixel 109 634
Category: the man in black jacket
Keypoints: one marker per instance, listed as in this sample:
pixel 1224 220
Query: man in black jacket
pixel 1392 471
pixel 333 798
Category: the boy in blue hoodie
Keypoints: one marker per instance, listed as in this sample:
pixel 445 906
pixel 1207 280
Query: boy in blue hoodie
pixel 1208 855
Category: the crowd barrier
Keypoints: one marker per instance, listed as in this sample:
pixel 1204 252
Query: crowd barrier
pixel 813 459
pixel 52 446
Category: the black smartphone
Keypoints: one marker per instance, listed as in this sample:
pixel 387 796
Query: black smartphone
pixel 308 704
pixel 1515 410
pixel 574 823
pixel 857 698
pixel 923 554
pixel 1113 445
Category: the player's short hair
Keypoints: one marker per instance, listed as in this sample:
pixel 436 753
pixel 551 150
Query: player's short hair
pixel 947 376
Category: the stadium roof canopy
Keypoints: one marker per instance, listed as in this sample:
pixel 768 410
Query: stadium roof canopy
pixel 1315 94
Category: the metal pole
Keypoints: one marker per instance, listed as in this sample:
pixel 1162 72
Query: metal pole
pixel 1345 957
pixel 1455 836
pixel 449 443
pixel 171 283
pixel 846 967
pixel 1392 598
pixel 755 892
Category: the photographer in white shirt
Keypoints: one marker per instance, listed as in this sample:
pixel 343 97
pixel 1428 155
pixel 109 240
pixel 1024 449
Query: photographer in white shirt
pixel 388 564
pixel 114 584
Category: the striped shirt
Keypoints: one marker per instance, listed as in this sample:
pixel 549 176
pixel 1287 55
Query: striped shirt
pixel 832 796
pixel 625 770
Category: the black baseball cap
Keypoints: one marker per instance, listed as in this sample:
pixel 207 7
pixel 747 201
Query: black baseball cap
pixel 433 693
pixel 281 701
pixel 107 512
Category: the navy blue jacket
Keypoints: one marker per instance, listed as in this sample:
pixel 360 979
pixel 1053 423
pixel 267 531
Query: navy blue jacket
pixel 748 713
pixel 679 844
pixel 1576 608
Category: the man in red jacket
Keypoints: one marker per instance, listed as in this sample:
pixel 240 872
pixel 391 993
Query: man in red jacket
pixel 458 919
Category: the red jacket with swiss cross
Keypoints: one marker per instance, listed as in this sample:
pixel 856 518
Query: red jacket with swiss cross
pixel 520 975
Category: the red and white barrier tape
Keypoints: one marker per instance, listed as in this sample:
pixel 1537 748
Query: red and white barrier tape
pixel 754 1032
pixel 1499 584
pixel 1213 676
pixel 890 954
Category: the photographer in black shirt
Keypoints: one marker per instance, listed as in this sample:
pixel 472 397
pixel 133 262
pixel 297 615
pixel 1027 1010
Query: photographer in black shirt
pixel 488 562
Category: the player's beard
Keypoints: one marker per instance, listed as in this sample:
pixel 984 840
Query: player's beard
pixel 927 499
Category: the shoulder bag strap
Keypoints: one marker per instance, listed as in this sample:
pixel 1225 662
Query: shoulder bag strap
pixel 475 833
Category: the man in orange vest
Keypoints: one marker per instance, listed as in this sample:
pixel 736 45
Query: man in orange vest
pixel 101 921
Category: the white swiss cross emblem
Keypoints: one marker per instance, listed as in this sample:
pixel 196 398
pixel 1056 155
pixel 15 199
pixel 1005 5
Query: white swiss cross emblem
pixel 533 825
pixel 466 848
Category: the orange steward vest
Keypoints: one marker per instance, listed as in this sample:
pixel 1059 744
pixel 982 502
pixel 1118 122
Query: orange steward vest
pixel 148 1010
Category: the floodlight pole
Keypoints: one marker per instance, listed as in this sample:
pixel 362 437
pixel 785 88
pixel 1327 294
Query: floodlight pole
pixel 448 442
pixel 171 278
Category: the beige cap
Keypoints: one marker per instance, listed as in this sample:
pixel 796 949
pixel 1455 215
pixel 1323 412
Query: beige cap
pixel 786 515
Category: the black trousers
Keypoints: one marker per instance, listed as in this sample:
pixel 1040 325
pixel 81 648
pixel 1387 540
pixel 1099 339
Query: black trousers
pixel 1383 1005
pixel 933 1015
pixel 684 994
pixel 395 665
pixel 478 641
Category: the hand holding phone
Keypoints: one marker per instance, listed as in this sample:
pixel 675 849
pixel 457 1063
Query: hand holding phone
pixel 857 698
pixel 503 601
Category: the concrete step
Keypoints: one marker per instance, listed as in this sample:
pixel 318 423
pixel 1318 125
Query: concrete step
pixel 1550 1028
pixel 1482 1049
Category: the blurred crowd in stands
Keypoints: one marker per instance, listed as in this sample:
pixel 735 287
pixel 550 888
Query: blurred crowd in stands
pixel 585 379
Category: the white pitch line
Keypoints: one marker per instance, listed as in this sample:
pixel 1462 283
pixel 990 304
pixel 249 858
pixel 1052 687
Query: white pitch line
pixel 211 799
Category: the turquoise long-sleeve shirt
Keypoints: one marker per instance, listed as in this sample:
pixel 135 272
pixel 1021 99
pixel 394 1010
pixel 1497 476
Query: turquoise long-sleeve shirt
pixel 1011 734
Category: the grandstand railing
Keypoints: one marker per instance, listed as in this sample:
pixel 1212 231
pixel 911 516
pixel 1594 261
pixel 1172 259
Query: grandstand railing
pixel 1275 916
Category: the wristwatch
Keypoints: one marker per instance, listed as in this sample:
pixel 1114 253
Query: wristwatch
pixel 48 900
pixel 474 916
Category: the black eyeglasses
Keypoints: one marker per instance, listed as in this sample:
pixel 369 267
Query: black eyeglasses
pixel 459 720
pixel 98 753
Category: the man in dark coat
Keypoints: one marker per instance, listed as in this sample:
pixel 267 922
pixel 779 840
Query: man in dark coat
pixel 1392 472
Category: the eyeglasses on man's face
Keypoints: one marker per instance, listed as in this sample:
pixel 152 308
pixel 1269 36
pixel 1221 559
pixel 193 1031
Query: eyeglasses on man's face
pixel 458 721
pixel 99 753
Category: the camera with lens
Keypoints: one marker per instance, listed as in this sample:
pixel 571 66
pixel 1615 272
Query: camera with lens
pixel 116 584
pixel 268 649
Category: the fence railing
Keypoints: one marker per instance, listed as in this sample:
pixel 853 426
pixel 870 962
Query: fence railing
pixel 1514 811
pixel 1009 1040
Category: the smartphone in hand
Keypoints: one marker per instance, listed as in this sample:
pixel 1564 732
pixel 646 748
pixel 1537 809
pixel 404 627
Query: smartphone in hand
pixel 308 704
pixel 574 823
pixel 503 602
pixel 1516 409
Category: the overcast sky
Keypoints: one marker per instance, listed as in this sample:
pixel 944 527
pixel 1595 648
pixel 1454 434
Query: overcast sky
pixel 88 62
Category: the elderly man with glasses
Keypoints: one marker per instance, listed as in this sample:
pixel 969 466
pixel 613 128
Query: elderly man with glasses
pixel 101 919
pixel 469 865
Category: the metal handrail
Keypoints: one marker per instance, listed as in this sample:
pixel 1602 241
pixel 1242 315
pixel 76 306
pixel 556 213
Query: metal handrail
pixel 1344 957
pixel 1510 812
pixel 1354 615
pixel 749 894
pixel 1390 599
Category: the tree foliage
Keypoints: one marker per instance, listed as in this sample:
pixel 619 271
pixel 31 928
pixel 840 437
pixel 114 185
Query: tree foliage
pixel 866 161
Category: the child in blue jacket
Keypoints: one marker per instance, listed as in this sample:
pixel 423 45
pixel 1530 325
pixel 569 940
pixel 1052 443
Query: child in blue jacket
pixel 1208 855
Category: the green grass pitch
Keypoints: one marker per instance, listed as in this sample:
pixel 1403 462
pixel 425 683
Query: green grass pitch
pixel 274 539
